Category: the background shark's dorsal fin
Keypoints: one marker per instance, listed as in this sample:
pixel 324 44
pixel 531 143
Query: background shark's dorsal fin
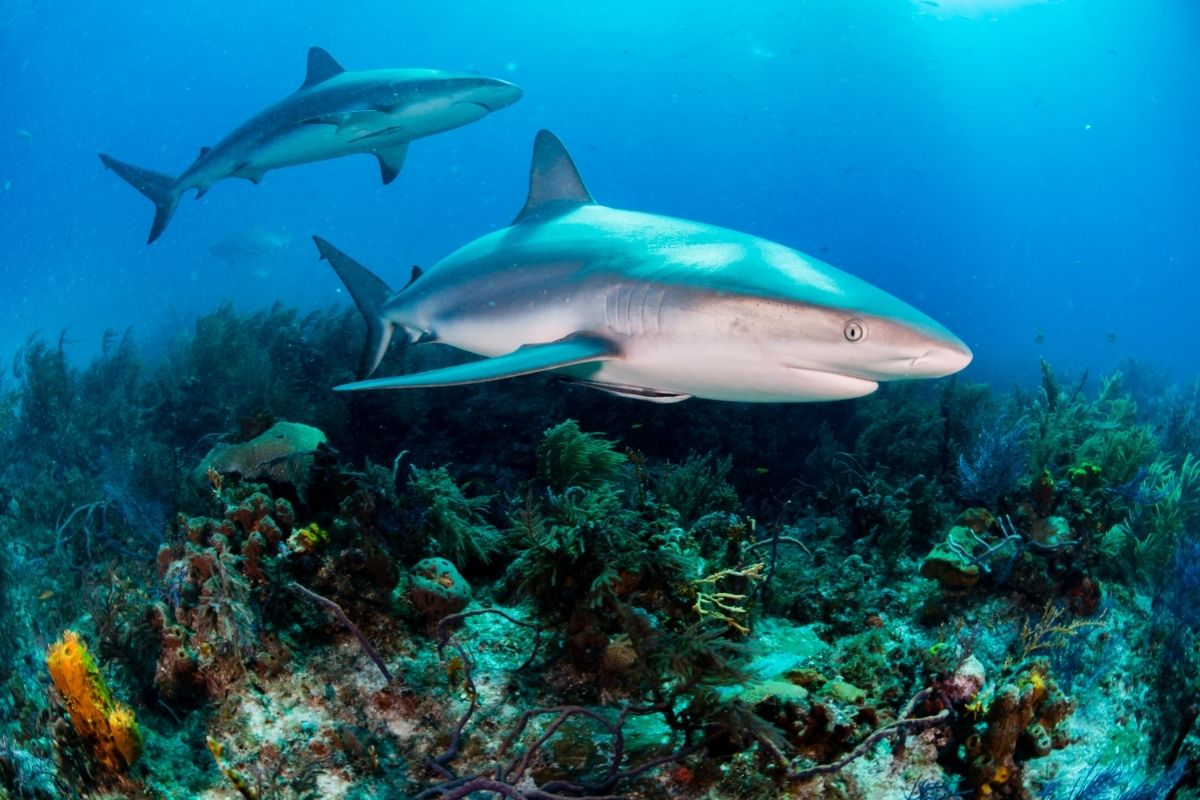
pixel 321 67
pixel 204 151
pixel 554 182
pixel 416 273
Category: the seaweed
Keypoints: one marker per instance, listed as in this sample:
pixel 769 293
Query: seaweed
pixel 659 576
pixel 568 457
pixel 697 487
pixel 452 522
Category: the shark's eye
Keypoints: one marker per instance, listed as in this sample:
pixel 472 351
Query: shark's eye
pixel 855 330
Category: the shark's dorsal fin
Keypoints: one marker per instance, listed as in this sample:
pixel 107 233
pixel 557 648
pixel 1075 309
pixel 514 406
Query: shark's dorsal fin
pixel 554 182
pixel 321 67
pixel 416 273
pixel 205 151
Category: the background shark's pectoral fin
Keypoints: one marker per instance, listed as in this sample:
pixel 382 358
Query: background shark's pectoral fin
pixel 390 161
pixel 249 172
pixel 531 358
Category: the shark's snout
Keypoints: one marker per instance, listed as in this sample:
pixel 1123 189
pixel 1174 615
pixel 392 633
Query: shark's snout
pixel 941 359
pixel 496 94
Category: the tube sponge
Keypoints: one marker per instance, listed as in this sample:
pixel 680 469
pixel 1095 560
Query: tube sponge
pixel 108 729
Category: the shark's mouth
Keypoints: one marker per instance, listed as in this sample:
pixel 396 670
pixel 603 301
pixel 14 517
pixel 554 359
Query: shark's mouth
pixel 486 108
pixel 837 384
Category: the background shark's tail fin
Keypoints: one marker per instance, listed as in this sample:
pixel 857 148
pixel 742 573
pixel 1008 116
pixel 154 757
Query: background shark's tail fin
pixel 158 187
pixel 369 293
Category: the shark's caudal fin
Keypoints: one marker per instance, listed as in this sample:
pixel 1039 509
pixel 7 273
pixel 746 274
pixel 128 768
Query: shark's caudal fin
pixel 531 358
pixel 369 293
pixel 554 182
pixel 158 187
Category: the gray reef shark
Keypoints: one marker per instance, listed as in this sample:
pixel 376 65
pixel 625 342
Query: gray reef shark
pixel 645 306
pixel 334 113
pixel 249 245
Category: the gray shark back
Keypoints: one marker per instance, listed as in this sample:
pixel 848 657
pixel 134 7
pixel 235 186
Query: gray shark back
pixel 657 308
pixel 334 113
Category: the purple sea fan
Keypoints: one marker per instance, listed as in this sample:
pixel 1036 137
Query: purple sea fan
pixel 995 462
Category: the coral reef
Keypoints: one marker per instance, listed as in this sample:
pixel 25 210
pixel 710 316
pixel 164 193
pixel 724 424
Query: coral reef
pixel 934 592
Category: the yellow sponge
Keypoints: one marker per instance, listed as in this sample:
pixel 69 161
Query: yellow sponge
pixel 108 729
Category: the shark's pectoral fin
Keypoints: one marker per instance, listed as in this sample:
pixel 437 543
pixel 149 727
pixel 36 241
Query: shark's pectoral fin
pixel 577 349
pixel 554 182
pixel 391 160
pixel 249 172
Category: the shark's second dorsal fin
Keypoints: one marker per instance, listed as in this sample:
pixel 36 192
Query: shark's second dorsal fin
pixel 321 67
pixel 554 182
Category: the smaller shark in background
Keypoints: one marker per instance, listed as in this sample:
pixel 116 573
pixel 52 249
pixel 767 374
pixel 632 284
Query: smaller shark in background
pixel 334 113
pixel 249 244
pixel 645 306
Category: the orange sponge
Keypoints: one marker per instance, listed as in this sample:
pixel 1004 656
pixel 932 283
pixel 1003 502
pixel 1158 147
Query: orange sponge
pixel 108 729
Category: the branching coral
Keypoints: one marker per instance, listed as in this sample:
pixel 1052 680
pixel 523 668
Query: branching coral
pixel 728 606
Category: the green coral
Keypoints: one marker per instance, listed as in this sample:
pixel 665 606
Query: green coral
pixel 1101 436
pixel 569 457
pixel 1145 541
pixel 453 521
pixel 579 546
pixel 697 487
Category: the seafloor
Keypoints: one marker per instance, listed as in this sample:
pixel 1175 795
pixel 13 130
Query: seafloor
pixel 219 579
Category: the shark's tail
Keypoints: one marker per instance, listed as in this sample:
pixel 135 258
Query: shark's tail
pixel 158 187
pixel 369 293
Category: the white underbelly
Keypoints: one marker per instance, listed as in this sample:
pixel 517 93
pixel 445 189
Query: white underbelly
pixel 744 371
pixel 305 144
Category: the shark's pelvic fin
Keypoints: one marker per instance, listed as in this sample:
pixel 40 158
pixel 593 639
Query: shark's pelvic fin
pixel 636 392
pixel 577 349
pixel 321 67
pixel 390 161
pixel 554 182
pixel 369 293
pixel 158 187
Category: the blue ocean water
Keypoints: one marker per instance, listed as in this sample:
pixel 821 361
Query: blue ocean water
pixel 1024 172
